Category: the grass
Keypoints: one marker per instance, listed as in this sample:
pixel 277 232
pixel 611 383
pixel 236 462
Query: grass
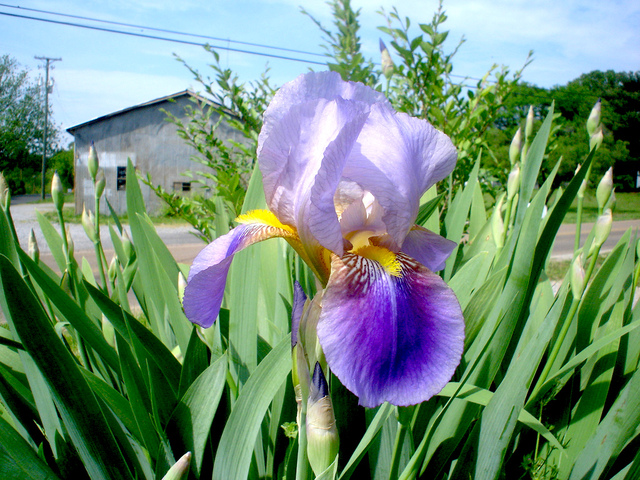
pixel 627 207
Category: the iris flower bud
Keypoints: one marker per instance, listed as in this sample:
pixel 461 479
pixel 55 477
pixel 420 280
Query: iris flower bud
pixel 180 469
pixel 514 182
pixel 577 277
pixel 70 243
pixel 387 63
pixel 497 225
pixel 127 246
pixel 100 183
pixel 596 139
pixel 515 147
pixel 182 284
pixel 92 162
pixel 111 271
pixel 88 223
pixel 322 435
pixel 5 193
pixel 528 126
pixel 605 187
pixel 34 251
pixel 594 118
pixel 57 191
pixel 583 185
pixel 602 229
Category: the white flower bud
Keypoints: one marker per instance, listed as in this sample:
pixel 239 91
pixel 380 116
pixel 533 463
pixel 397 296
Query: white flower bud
pixel 515 147
pixel 323 441
pixel 596 139
pixel 34 250
pixel 605 187
pixel 577 277
pixel 180 469
pixel 386 61
pixel 70 244
pixel 602 229
pixel 594 118
pixel 57 192
pixel 88 223
pixel 100 183
pixel 513 183
pixel 5 193
pixel 112 270
pixel 92 162
pixel 528 126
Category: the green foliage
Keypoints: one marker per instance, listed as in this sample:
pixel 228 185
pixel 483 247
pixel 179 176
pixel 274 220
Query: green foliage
pixel 343 46
pixel 21 127
pixel 620 94
pixel 62 162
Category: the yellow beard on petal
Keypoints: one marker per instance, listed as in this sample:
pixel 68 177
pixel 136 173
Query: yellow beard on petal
pixel 264 216
pixel 386 258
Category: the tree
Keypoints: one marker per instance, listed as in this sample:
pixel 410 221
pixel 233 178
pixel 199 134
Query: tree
pixel 21 126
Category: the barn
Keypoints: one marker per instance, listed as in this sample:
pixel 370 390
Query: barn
pixel 143 134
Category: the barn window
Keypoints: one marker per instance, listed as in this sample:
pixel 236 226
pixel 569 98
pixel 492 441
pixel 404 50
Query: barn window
pixel 181 186
pixel 121 178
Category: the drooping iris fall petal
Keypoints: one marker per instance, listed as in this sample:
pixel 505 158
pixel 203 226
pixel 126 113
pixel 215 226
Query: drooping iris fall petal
pixel 208 274
pixel 395 338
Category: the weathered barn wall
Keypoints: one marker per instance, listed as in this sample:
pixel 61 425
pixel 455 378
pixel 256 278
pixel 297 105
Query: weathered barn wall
pixel 142 134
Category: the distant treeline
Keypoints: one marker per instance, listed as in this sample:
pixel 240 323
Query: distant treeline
pixel 620 95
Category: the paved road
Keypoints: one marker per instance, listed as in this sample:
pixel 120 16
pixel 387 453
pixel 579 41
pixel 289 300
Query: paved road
pixel 185 246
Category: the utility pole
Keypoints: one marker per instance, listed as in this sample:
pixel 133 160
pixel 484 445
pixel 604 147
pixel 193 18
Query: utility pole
pixel 48 61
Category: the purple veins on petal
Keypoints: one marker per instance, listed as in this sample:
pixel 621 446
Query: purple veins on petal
pixel 390 338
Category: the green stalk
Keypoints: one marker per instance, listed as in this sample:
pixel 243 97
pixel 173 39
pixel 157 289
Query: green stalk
pixel 65 247
pixel 576 244
pixel 302 464
pixel 97 244
pixel 397 451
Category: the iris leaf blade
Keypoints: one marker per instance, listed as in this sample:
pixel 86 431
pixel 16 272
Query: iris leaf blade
pixel 233 458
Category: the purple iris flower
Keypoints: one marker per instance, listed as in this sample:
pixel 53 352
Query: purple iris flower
pixel 343 174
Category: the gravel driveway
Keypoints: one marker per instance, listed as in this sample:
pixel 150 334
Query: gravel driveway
pixel 25 219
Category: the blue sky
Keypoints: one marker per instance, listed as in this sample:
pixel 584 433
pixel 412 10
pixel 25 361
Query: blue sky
pixel 102 72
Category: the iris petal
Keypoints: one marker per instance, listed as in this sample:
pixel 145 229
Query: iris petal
pixel 397 158
pixel 302 159
pixel 208 274
pixel 387 338
pixel 428 248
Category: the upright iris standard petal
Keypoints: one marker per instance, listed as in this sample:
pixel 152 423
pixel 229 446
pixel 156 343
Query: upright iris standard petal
pixel 395 338
pixel 208 274
pixel 302 159
pixel 397 158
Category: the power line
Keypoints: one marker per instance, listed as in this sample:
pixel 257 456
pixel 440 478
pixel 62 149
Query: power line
pixel 163 30
pixel 166 39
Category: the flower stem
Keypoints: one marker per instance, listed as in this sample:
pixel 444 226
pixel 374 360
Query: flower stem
pixel 397 451
pixel 302 464
pixel 98 246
